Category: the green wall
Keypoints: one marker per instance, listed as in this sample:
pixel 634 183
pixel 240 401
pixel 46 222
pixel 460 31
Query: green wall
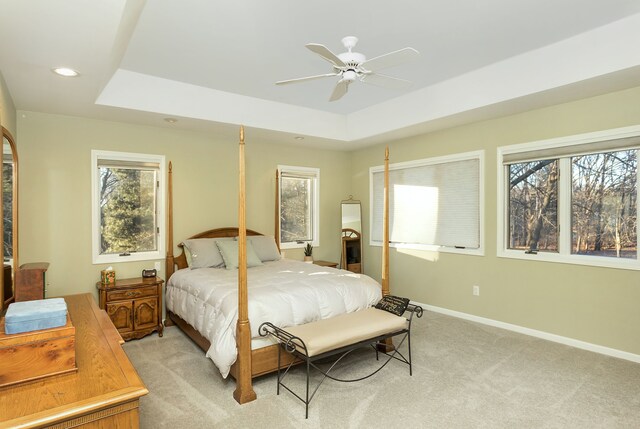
pixel 596 305
pixel 7 108
pixel 55 189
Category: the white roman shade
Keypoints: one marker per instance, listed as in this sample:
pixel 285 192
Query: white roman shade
pixel 431 202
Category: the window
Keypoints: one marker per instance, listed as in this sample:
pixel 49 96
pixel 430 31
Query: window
pixel 604 209
pixel 128 207
pixel 299 206
pixel 573 199
pixel 533 205
pixel 8 174
pixel 434 204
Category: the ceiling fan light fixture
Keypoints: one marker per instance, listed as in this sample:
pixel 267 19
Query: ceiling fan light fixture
pixel 65 71
pixel 349 75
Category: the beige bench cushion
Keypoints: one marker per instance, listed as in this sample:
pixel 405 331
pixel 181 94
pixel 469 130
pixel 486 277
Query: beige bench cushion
pixel 350 328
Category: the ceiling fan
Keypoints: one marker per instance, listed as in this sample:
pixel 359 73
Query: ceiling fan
pixel 354 65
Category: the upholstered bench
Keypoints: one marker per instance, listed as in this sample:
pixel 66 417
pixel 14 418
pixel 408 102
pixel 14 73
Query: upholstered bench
pixel 341 335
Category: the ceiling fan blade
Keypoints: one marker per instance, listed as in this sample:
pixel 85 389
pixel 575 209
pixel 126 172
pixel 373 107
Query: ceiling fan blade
pixel 325 53
pixel 341 89
pixel 389 60
pixel 385 81
pixel 303 79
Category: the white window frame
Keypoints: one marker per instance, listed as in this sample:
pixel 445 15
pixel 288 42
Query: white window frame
pixel 315 211
pixel 97 155
pixel 564 254
pixel 479 155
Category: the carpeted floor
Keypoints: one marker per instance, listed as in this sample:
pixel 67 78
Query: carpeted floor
pixel 465 375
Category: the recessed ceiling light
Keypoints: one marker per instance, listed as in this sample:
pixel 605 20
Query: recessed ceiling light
pixel 65 71
pixel 299 138
pixel 170 120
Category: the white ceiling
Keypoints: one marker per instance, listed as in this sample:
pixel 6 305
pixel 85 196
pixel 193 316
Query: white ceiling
pixel 213 65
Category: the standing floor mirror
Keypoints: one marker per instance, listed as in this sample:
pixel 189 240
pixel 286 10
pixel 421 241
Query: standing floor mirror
pixel 351 259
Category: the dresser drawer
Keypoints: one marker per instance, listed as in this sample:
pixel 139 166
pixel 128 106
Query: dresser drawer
pixel 140 292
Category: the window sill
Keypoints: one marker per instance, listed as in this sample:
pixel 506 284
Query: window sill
pixel 299 245
pixel 593 261
pixel 432 248
pixel 134 257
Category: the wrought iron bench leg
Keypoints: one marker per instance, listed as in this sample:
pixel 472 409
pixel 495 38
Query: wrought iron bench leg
pixel 306 410
pixel 278 389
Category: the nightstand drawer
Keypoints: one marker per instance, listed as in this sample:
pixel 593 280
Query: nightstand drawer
pixel 141 292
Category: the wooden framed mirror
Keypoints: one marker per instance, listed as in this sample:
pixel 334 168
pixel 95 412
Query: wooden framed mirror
pixel 351 259
pixel 9 214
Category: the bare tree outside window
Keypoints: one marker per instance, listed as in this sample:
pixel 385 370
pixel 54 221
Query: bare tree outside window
pixel 7 208
pixel 296 196
pixel 533 206
pixel 127 210
pixel 604 204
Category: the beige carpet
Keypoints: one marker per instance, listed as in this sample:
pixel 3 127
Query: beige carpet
pixel 466 375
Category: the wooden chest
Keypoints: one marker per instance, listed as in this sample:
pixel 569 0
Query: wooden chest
pixel 33 355
pixel 30 282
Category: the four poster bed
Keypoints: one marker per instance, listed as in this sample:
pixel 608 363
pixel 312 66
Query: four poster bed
pixel 202 302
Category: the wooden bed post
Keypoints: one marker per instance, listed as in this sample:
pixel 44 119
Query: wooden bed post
pixel 387 344
pixel 277 209
pixel 169 266
pixel 385 227
pixel 244 390
pixel 169 263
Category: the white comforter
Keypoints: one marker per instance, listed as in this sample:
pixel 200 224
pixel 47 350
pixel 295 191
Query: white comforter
pixel 284 292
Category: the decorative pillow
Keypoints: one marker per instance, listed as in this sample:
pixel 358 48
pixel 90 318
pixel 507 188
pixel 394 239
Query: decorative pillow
pixel 265 247
pixel 187 255
pixel 393 304
pixel 229 252
pixel 204 252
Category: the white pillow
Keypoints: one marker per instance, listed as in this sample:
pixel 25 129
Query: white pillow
pixel 265 247
pixel 187 255
pixel 204 252
pixel 229 252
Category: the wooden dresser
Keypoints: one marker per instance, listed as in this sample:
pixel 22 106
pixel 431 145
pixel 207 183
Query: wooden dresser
pixel 134 305
pixel 30 281
pixel 103 393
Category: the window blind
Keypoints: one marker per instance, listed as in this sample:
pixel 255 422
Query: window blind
pixel 298 174
pixel 123 164
pixel 430 204
pixel 567 150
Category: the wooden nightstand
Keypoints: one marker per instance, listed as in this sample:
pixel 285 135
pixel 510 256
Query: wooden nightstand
pixel 133 305
pixel 326 264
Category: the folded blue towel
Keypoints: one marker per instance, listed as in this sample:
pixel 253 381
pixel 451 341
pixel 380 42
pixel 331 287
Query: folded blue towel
pixel 29 316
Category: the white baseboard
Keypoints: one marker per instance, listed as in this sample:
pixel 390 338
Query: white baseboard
pixel 534 333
